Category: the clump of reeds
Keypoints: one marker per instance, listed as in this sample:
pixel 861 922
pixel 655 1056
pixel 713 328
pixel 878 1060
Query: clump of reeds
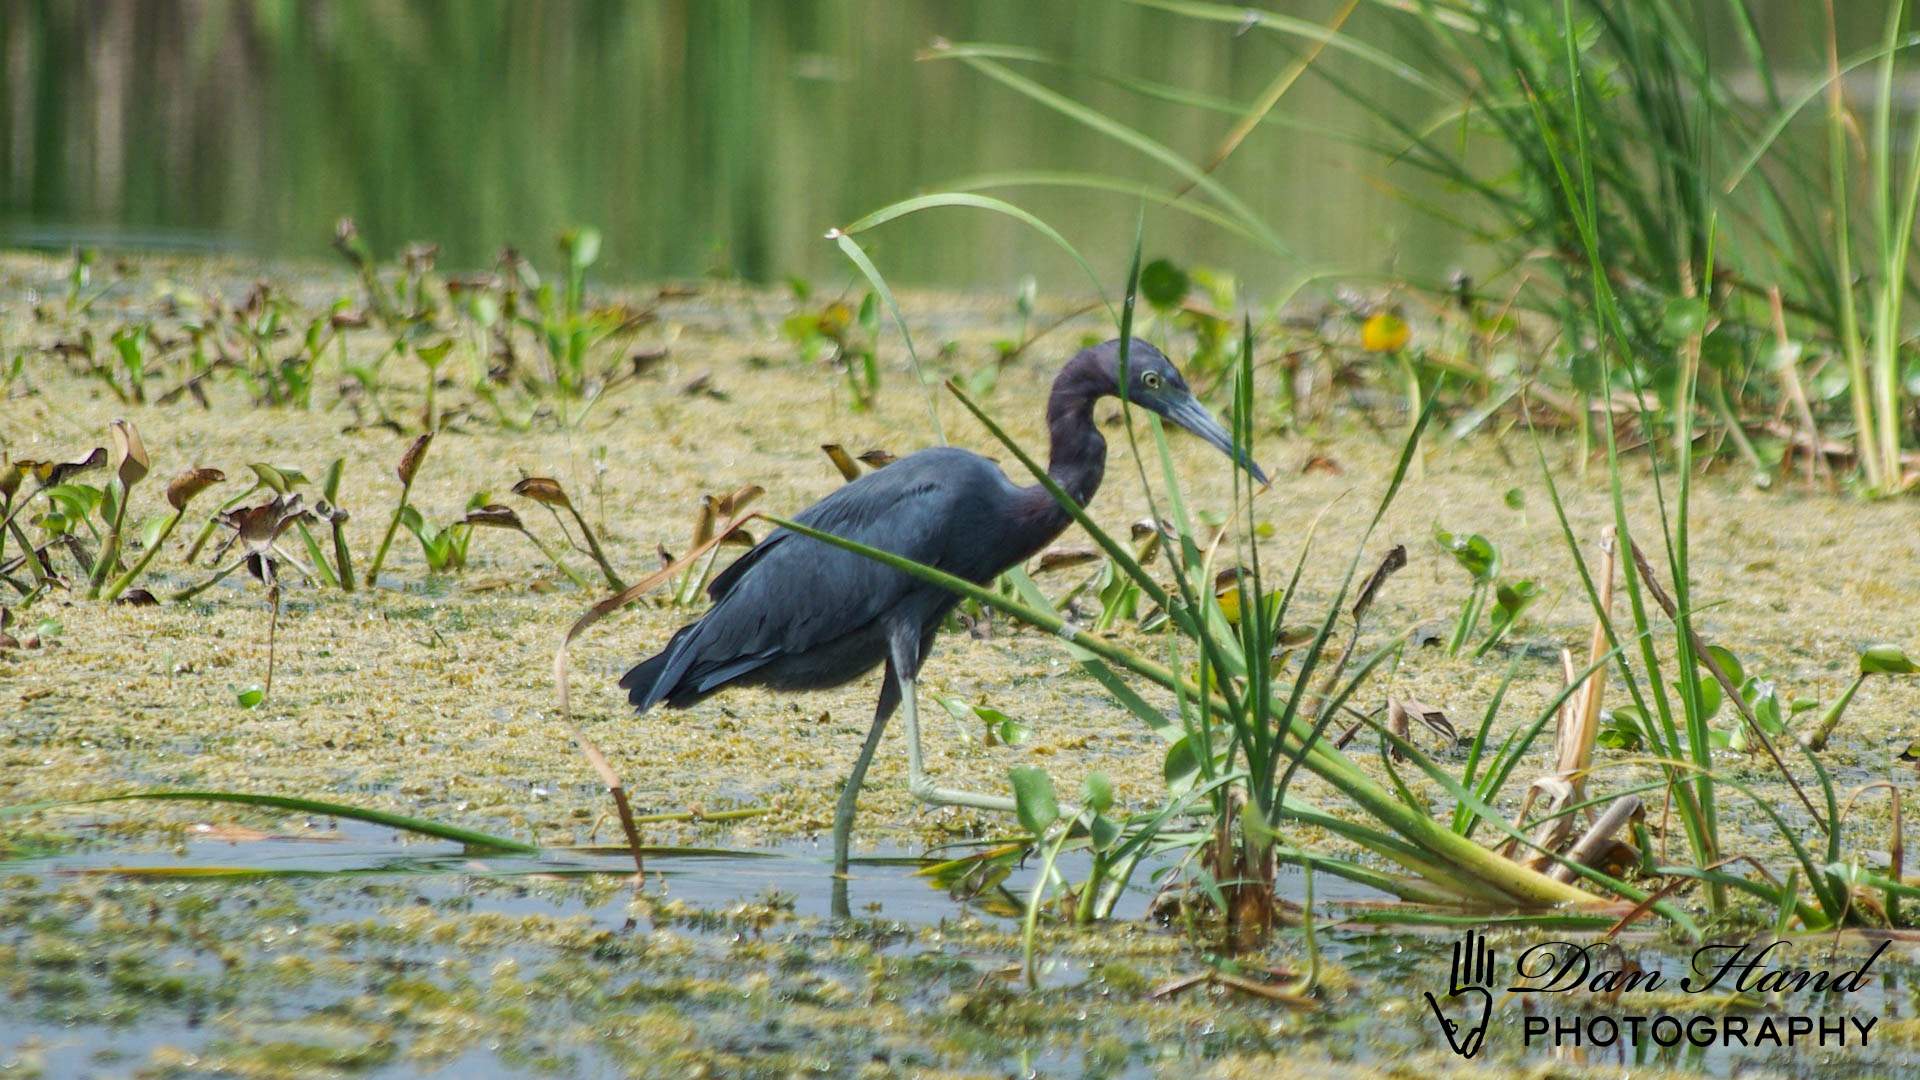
pixel 1821 261
pixel 1244 729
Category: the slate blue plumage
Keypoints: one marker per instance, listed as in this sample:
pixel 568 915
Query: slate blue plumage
pixel 794 613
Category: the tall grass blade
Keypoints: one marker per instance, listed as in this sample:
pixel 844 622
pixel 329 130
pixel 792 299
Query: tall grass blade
pixel 859 256
pixel 402 822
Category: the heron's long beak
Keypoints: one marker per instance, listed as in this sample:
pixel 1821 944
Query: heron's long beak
pixel 1190 414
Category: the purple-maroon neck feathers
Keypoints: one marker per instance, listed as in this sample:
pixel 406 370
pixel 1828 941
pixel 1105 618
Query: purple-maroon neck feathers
pixel 1079 454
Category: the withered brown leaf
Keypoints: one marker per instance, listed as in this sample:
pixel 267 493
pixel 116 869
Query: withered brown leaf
pixel 51 473
pixel 410 461
pixel 543 490
pixel 129 453
pixel 495 516
pixel 184 487
pixel 1062 558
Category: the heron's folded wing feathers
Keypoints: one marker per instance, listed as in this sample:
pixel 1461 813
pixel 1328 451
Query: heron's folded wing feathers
pixel 791 593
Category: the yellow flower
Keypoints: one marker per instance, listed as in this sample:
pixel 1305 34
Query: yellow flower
pixel 1384 332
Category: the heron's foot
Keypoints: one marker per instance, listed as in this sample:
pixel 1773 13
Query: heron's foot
pixel 924 789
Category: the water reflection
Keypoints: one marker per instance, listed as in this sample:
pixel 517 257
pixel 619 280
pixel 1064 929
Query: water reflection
pixel 700 135
pixel 722 134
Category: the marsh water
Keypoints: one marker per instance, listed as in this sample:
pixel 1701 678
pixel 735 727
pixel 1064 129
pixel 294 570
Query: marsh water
pixel 346 950
pixel 189 939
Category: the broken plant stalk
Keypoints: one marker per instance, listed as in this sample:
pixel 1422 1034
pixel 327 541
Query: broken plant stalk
pixel 1577 725
pixel 562 686
pixel 1732 689
pixel 1598 840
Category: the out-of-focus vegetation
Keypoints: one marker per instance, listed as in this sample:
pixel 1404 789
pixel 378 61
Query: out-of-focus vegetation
pixel 699 135
pixel 1801 326
pixel 712 138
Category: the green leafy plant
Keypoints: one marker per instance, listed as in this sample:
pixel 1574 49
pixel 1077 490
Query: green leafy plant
pixel 1478 556
pixel 51 485
pixel 999 728
pixel 127 378
pixel 568 331
pixel 1481 560
pixel 260 321
pixel 79 276
pixel 1511 599
pixel 843 337
pixel 444 548
pixel 431 357
pixel 353 247
pixel 71 508
pixel 1878 660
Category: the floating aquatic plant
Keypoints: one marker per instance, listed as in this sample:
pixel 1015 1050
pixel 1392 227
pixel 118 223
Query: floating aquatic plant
pixel 180 492
pixel 548 493
pixel 406 470
pixel 1878 660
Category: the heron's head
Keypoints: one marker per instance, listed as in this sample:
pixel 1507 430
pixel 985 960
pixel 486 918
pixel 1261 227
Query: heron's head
pixel 1154 384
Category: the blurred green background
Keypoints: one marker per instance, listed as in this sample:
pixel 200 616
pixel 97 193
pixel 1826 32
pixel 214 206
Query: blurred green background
pixel 706 136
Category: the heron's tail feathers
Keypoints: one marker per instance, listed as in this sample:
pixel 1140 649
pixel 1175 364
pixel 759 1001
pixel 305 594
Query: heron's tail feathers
pixel 680 676
pixel 642 683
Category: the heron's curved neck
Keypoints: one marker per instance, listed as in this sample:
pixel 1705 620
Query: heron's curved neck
pixel 1079 454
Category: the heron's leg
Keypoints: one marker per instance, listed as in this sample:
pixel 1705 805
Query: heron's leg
pixel 850 794
pixel 919 782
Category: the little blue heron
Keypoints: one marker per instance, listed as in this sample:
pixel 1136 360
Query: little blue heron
pixel 794 613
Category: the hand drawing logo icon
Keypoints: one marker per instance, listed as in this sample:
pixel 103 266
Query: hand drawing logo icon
pixel 1469 993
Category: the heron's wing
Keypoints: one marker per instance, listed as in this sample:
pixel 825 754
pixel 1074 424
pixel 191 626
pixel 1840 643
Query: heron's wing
pixel 791 594
pixel 935 507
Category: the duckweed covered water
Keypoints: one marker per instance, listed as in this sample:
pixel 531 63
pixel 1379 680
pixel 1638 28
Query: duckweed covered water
pixel 345 951
pixel 432 696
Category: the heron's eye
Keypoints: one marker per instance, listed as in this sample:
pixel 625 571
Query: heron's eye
pixel 1151 380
